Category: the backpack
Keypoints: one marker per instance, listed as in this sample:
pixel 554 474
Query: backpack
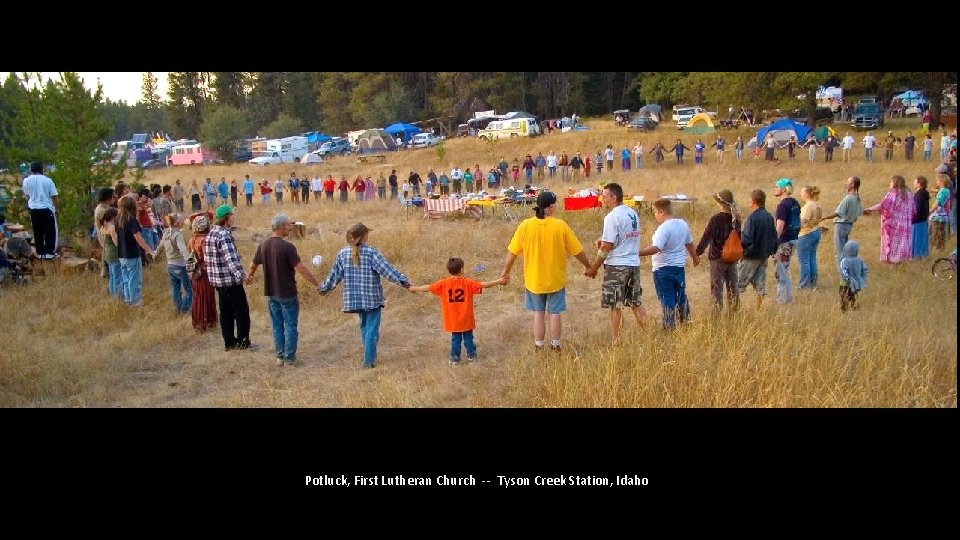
pixel 732 248
pixel 194 268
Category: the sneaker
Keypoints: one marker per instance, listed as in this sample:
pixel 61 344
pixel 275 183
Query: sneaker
pixel 369 366
pixel 279 360
pixel 472 358
pixel 453 362
pixel 290 363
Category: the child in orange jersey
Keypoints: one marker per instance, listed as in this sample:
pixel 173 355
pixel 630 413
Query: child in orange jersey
pixel 456 305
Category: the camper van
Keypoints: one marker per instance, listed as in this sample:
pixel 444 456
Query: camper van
pixel 515 127
pixel 285 150
pixel 188 154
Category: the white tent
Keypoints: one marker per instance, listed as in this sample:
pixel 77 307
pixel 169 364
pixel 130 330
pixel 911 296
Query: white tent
pixel 310 159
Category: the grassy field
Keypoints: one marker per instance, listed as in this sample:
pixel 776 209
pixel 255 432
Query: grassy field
pixel 66 344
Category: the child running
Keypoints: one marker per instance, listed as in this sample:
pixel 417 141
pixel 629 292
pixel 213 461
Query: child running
pixel 456 306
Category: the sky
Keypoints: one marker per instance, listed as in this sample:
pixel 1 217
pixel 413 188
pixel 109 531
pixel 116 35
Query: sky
pixel 123 85
pixel 118 85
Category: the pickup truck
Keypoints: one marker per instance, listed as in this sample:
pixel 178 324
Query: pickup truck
pixel 867 116
pixel 683 114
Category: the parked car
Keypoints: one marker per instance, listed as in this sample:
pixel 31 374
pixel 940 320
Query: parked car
pixel 242 154
pixel 266 158
pixel 643 123
pixel 423 140
pixel 335 147
pixel 152 164
pixel 867 116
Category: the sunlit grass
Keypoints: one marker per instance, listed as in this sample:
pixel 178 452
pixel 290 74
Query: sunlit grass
pixel 66 345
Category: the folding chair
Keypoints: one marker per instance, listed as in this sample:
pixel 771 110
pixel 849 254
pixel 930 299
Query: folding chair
pixel 509 212
pixel 405 204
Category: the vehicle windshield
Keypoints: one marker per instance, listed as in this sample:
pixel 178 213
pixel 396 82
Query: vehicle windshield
pixel 867 109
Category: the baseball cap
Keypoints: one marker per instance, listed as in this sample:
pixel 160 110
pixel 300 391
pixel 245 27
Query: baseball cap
pixel 783 183
pixel 545 199
pixel 223 211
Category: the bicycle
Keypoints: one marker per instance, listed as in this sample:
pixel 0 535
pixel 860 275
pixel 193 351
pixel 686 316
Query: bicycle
pixel 945 268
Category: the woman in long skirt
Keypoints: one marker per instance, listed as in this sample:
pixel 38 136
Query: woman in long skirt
pixel 203 310
pixel 896 212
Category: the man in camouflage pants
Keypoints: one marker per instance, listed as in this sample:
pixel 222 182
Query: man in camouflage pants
pixel 618 250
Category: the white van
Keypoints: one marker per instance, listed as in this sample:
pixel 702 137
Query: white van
pixel 286 150
pixel 504 129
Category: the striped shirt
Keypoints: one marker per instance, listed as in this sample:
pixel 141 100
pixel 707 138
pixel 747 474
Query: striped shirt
pixel 362 290
pixel 221 258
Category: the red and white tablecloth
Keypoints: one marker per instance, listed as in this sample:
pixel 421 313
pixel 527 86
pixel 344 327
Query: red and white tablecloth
pixel 443 205
pixel 437 208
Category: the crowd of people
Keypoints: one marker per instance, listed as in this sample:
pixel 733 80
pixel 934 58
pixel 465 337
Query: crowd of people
pixel 207 277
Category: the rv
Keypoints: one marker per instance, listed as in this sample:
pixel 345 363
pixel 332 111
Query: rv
pixel 515 127
pixel 188 154
pixel 286 150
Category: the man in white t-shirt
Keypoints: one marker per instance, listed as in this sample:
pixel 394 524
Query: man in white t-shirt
pixel 847 145
pixel 618 250
pixel 552 163
pixel 670 244
pixel 42 201
pixel 868 143
pixel 316 186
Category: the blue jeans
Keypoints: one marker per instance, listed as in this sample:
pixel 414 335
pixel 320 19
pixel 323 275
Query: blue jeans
pixel 180 279
pixel 370 334
pixel 782 272
pixel 467 339
pixel 807 254
pixel 639 162
pixel 131 273
pixel 869 153
pixel 149 235
pixel 114 279
pixel 284 313
pixel 841 233
pixel 670 283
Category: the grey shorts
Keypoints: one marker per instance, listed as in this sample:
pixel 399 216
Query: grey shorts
pixel 621 287
pixel 752 271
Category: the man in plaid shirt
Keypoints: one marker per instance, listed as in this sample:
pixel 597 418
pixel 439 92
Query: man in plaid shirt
pixel 226 274
pixel 360 267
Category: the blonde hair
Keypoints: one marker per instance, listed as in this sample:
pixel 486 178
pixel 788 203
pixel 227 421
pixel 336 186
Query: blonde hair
pixel 355 242
pixel 813 192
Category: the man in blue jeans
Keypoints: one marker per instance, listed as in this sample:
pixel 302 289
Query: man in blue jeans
pixel 279 259
pixel 670 243
pixel 846 214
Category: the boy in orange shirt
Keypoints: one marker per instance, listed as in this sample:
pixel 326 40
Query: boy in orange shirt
pixel 456 306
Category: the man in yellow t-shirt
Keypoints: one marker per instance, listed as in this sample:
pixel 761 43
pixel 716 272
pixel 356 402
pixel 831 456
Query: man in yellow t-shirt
pixel 544 241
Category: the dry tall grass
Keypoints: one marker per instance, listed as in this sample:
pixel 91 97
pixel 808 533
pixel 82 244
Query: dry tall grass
pixel 66 345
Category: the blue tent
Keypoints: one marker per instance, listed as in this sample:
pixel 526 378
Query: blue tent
pixel 404 131
pixel 911 98
pixel 315 137
pixel 782 130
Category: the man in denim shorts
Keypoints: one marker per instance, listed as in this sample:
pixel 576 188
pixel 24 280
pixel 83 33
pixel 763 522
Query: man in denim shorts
pixel 544 241
pixel 618 250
